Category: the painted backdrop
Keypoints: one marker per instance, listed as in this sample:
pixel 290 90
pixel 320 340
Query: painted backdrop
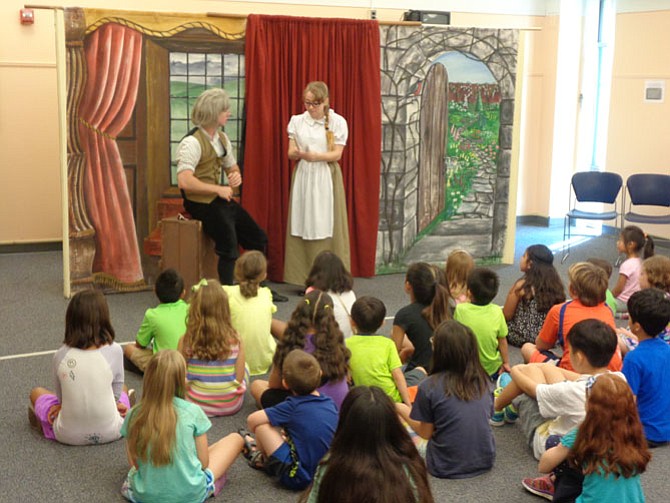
pixel 447 105
pixel 447 113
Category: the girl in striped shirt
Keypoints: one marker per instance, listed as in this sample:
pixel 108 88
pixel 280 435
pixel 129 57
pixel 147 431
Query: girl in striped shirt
pixel 215 367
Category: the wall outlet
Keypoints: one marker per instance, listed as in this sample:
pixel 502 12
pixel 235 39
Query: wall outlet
pixel 373 13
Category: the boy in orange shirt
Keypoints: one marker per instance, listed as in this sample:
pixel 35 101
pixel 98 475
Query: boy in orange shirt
pixel 588 285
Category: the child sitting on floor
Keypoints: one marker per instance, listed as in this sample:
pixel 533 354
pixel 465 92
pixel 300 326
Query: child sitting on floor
pixel 413 324
pixel 372 458
pixel 167 440
pixel 90 400
pixel 374 358
pixel 656 274
pixel 453 406
pixel 251 311
pixel 458 267
pixel 647 369
pixel 532 295
pixel 329 275
pixel 608 447
pixel 215 364
pixel 633 242
pixel 162 326
pixel 551 399
pixel 607 267
pixel 308 419
pixel 312 327
pixel 587 286
pixel 486 320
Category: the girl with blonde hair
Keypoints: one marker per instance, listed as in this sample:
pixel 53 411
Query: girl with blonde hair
pixel 459 264
pixel 215 365
pixel 317 217
pixel 167 440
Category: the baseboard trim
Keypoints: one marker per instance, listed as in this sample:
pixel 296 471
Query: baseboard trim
pixel 536 220
pixel 31 247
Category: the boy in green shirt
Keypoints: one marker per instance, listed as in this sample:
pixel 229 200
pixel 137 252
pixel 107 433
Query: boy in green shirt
pixel 607 267
pixel 374 358
pixel 486 320
pixel 163 325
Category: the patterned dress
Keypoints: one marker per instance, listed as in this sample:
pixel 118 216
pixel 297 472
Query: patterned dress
pixel 213 386
pixel 526 323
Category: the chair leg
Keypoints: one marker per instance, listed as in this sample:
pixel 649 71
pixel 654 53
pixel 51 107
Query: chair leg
pixel 618 260
pixel 566 226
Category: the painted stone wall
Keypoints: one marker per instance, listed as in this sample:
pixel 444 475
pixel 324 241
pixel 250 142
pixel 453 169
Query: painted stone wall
pixel 481 66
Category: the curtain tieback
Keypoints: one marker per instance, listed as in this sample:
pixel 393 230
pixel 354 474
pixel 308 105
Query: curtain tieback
pixel 96 130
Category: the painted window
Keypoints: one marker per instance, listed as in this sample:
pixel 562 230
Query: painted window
pixel 190 74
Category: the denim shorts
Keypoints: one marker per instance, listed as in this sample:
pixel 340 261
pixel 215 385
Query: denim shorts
pixel 127 492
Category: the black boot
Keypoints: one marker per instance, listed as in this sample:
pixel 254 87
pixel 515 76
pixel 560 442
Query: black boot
pixel 226 268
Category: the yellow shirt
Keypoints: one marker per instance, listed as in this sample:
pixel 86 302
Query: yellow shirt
pixel 252 319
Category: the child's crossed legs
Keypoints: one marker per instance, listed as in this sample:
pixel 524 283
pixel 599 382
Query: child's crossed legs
pixel 526 377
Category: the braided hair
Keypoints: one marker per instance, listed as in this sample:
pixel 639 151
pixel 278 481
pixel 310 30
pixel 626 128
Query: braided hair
pixel 319 90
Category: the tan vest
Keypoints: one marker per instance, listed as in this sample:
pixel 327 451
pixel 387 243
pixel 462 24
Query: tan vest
pixel 209 168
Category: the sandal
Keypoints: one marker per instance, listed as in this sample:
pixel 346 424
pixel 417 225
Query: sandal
pixel 253 455
pixel 256 460
pixel 249 443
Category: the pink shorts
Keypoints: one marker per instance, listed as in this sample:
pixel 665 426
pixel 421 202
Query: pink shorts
pixel 46 401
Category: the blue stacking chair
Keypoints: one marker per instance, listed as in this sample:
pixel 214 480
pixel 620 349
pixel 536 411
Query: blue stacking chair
pixel 647 190
pixel 591 187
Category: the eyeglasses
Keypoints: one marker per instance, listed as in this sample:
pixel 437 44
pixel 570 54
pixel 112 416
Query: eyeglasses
pixel 309 104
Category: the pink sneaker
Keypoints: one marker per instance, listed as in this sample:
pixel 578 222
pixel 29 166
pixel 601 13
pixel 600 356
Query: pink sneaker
pixel 540 486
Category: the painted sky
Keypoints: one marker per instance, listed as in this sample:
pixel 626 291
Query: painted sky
pixel 465 68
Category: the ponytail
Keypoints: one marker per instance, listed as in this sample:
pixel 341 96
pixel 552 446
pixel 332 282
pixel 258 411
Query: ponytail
pixel 330 137
pixel 429 287
pixel 438 310
pixel 648 250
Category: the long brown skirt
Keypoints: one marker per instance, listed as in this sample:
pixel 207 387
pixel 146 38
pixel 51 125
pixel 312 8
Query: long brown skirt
pixel 300 253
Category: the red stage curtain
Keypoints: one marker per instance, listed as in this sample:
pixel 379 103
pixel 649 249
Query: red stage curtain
pixel 113 54
pixel 283 54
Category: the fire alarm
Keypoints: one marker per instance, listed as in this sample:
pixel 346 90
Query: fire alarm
pixel 27 16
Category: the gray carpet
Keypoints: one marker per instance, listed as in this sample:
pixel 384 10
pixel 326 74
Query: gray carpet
pixel 33 469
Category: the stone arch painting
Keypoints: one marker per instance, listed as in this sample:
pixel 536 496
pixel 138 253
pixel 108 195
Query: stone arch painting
pixel 447 117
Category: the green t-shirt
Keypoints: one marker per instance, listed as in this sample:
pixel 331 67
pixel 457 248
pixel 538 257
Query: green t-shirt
pixel 164 324
pixel 488 323
pixel 183 480
pixel 373 358
pixel 610 300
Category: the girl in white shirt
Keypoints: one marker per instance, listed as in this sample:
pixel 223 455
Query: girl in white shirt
pixel 90 400
pixel 329 275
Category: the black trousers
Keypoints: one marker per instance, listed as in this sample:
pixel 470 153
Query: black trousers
pixel 230 226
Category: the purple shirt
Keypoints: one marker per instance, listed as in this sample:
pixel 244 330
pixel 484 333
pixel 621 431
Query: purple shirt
pixel 336 390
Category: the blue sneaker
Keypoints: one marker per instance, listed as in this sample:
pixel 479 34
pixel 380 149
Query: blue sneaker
pixel 503 380
pixel 510 414
pixel 498 418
